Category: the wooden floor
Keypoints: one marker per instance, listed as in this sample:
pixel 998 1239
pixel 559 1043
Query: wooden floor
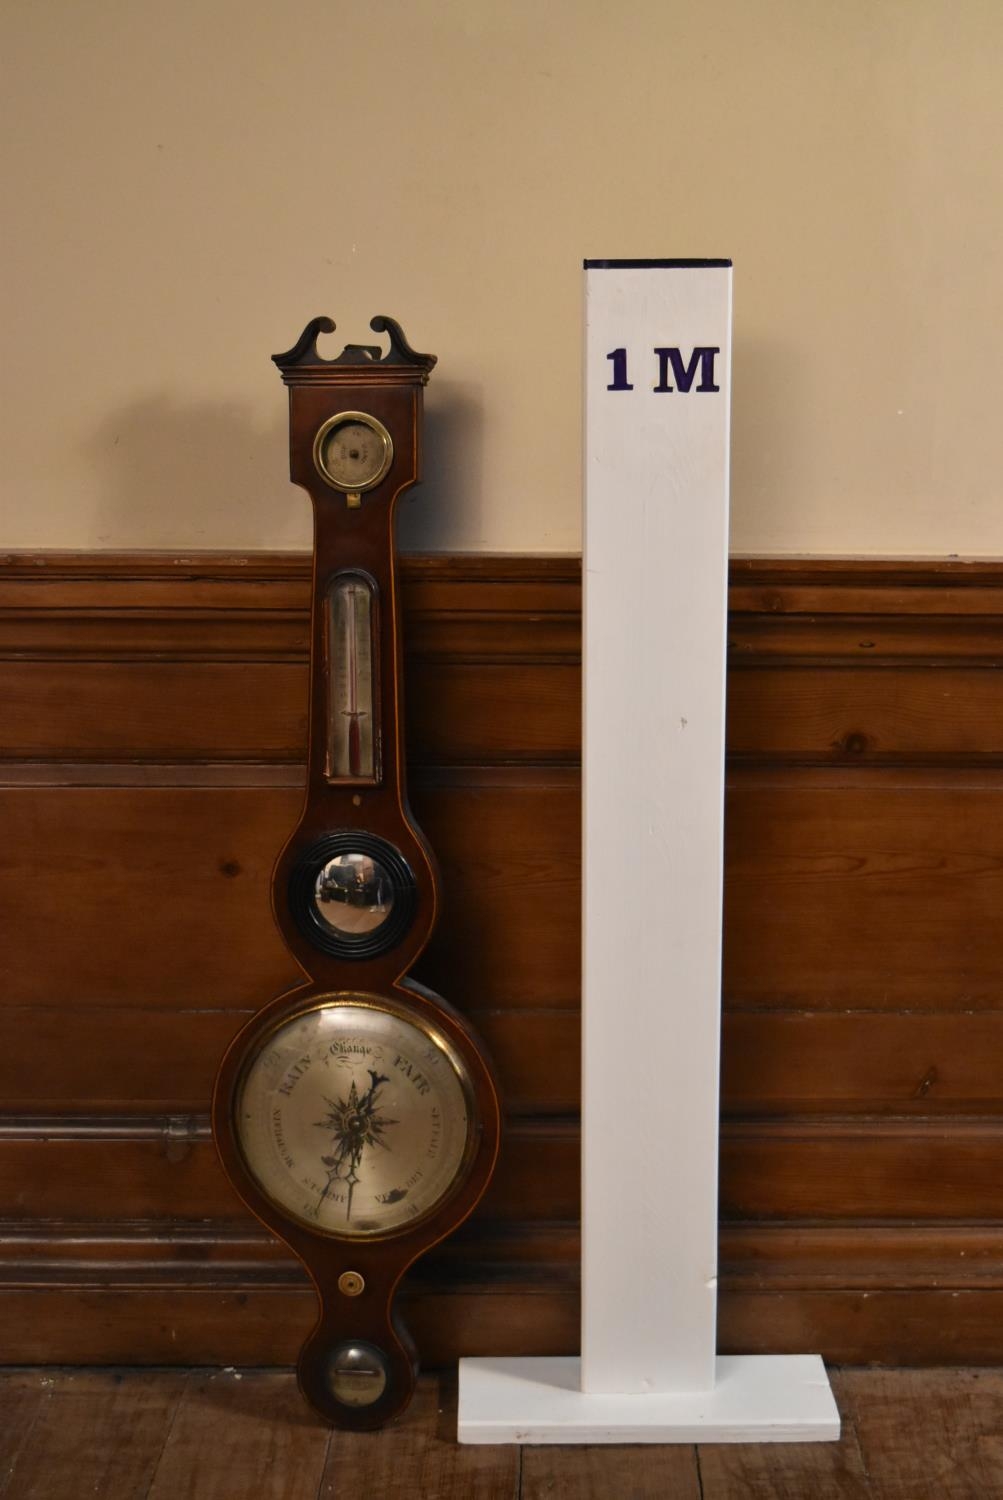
pixel 245 1435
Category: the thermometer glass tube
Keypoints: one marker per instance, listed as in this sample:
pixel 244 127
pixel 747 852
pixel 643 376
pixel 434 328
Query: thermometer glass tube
pixel 353 733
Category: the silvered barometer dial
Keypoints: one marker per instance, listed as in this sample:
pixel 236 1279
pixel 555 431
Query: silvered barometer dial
pixel 356 1115
pixel 354 1118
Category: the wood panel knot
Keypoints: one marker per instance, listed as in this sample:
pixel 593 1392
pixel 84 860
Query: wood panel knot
pixel 926 1083
pixel 854 743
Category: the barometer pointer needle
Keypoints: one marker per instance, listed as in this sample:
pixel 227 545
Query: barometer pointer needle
pixel 354 1121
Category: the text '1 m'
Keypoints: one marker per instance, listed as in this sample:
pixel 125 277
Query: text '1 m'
pixel 675 373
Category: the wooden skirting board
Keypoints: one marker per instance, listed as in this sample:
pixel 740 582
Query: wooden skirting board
pixel 151 765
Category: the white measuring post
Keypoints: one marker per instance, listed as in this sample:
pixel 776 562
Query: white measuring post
pixel 655 558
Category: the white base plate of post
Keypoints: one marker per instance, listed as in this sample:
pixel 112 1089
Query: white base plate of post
pixel 756 1398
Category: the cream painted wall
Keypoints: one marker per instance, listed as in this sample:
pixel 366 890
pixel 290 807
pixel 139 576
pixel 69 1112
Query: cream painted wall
pixel 186 184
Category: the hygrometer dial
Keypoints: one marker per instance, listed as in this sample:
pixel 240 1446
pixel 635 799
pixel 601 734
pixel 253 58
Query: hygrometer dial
pixel 353 451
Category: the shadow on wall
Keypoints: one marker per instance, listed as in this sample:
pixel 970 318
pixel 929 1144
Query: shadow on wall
pixel 446 511
pixel 196 475
pixel 207 475
pixel 769 398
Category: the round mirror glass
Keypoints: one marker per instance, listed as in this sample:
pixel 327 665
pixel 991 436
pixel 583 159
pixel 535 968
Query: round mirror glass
pixel 353 893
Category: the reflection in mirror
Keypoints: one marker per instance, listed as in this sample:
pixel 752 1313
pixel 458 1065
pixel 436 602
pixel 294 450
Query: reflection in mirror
pixel 353 734
pixel 353 893
pixel 358 1374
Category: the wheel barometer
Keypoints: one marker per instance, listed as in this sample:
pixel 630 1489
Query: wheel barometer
pixel 356 1115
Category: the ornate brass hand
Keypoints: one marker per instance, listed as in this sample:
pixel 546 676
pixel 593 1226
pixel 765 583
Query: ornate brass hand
pixel 354 1124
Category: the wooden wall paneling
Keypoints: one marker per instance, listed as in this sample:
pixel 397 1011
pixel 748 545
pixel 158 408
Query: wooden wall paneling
pixel 841 1254
pixel 864 891
pixel 886 1327
pixel 142 1060
pixel 185 870
pixel 153 710
pixel 509 850
pixel 126 873
pixel 854 714
pixel 202 710
pixel 837 896
pixel 159 1325
pixel 149 770
pixel 134 1059
pixel 862 1062
pixel 782 1286
pixel 221 1325
pixel 862 1169
pixel 191 710
pixel 771 1171
pixel 453 712
pixel 156 1169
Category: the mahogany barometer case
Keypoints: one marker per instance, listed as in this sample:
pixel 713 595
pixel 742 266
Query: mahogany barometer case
pixel 357 1114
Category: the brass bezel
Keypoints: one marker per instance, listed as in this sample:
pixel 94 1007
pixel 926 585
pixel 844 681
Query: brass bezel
pixel 361 1000
pixel 338 420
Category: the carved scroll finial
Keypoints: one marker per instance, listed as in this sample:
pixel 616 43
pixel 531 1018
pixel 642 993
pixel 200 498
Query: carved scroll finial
pixel 304 352
pixel 400 351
